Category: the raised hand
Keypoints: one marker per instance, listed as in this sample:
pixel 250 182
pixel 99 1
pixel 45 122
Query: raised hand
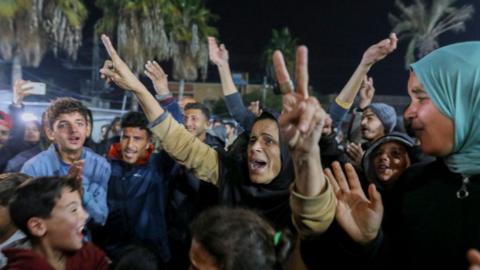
pixel 76 172
pixel 380 50
pixel 159 78
pixel 117 71
pixel 355 152
pixel 367 91
pixel 20 92
pixel 359 216
pixel 218 54
pixel 302 116
pixel 301 124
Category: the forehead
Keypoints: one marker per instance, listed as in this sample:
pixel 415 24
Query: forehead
pixel 268 126
pixel 368 113
pixel 67 197
pixel 194 112
pixel 134 131
pixel 70 117
pixel 392 145
pixel 414 85
pixel 4 128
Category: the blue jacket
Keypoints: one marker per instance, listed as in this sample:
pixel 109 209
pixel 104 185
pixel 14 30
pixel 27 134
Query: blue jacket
pixel 96 173
pixel 137 199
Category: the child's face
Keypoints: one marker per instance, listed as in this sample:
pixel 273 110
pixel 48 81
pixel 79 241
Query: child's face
pixel 70 131
pixel 66 222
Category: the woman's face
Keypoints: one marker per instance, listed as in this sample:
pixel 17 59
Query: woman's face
pixel 389 161
pixel 264 162
pixel 200 259
pixel 32 132
pixel 434 130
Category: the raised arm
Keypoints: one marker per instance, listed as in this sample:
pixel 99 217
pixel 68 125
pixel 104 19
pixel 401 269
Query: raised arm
pixel 372 55
pixel 184 147
pixel 219 56
pixel 160 82
pixel 301 123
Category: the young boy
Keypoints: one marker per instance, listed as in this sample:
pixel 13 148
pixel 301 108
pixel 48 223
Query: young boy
pixel 49 211
pixel 68 129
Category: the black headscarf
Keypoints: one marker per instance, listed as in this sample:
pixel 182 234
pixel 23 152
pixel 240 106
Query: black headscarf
pixel 236 189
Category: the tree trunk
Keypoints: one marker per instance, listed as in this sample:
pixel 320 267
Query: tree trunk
pixel 181 89
pixel 16 69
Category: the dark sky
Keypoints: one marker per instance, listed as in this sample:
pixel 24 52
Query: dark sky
pixel 337 33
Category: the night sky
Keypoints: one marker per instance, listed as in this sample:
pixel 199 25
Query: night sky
pixel 337 32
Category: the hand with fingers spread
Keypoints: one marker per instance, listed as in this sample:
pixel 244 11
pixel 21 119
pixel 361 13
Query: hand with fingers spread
pixel 20 92
pixel 301 124
pixel 359 216
pixel 380 50
pixel 159 78
pixel 355 152
pixel 218 54
pixel 367 91
pixel 115 70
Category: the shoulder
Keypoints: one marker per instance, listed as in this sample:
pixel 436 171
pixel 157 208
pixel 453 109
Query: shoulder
pixel 88 257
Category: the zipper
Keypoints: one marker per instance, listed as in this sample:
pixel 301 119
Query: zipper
pixel 463 193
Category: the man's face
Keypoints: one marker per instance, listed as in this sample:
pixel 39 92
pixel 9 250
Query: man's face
pixel 69 132
pixel 134 142
pixel 372 128
pixel 63 229
pixel 195 122
pixel 4 133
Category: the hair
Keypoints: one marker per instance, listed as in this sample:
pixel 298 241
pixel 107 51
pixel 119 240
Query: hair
pixel 65 105
pixel 37 198
pixel 198 106
pixel 137 120
pixel 8 184
pixel 136 257
pixel 239 239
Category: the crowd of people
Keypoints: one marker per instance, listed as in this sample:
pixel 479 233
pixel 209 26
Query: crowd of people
pixel 305 188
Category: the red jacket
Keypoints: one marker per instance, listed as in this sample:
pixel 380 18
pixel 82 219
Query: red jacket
pixel 88 257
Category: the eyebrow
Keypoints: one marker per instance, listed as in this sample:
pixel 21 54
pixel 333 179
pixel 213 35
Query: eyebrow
pixel 418 91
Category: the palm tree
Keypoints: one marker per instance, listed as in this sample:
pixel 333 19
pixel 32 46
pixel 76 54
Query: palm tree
pixel 139 29
pixel 422 23
pixel 188 27
pixel 281 40
pixel 29 28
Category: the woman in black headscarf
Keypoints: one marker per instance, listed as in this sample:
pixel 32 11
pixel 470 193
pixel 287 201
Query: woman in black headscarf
pixel 258 172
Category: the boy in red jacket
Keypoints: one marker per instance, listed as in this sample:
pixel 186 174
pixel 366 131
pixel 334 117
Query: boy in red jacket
pixel 49 211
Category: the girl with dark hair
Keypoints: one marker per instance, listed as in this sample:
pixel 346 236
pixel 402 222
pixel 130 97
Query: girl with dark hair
pixel 237 239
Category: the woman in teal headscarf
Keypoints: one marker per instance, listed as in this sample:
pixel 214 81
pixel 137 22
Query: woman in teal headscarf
pixel 435 213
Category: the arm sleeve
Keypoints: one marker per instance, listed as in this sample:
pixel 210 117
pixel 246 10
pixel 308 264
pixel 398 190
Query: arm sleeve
pixel 313 215
pixel 186 149
pixel 95 194
pixel 171 105
pixel 338 111
pixel 238 111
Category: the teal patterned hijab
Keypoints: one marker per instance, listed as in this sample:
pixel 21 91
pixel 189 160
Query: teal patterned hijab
pixel 451 77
